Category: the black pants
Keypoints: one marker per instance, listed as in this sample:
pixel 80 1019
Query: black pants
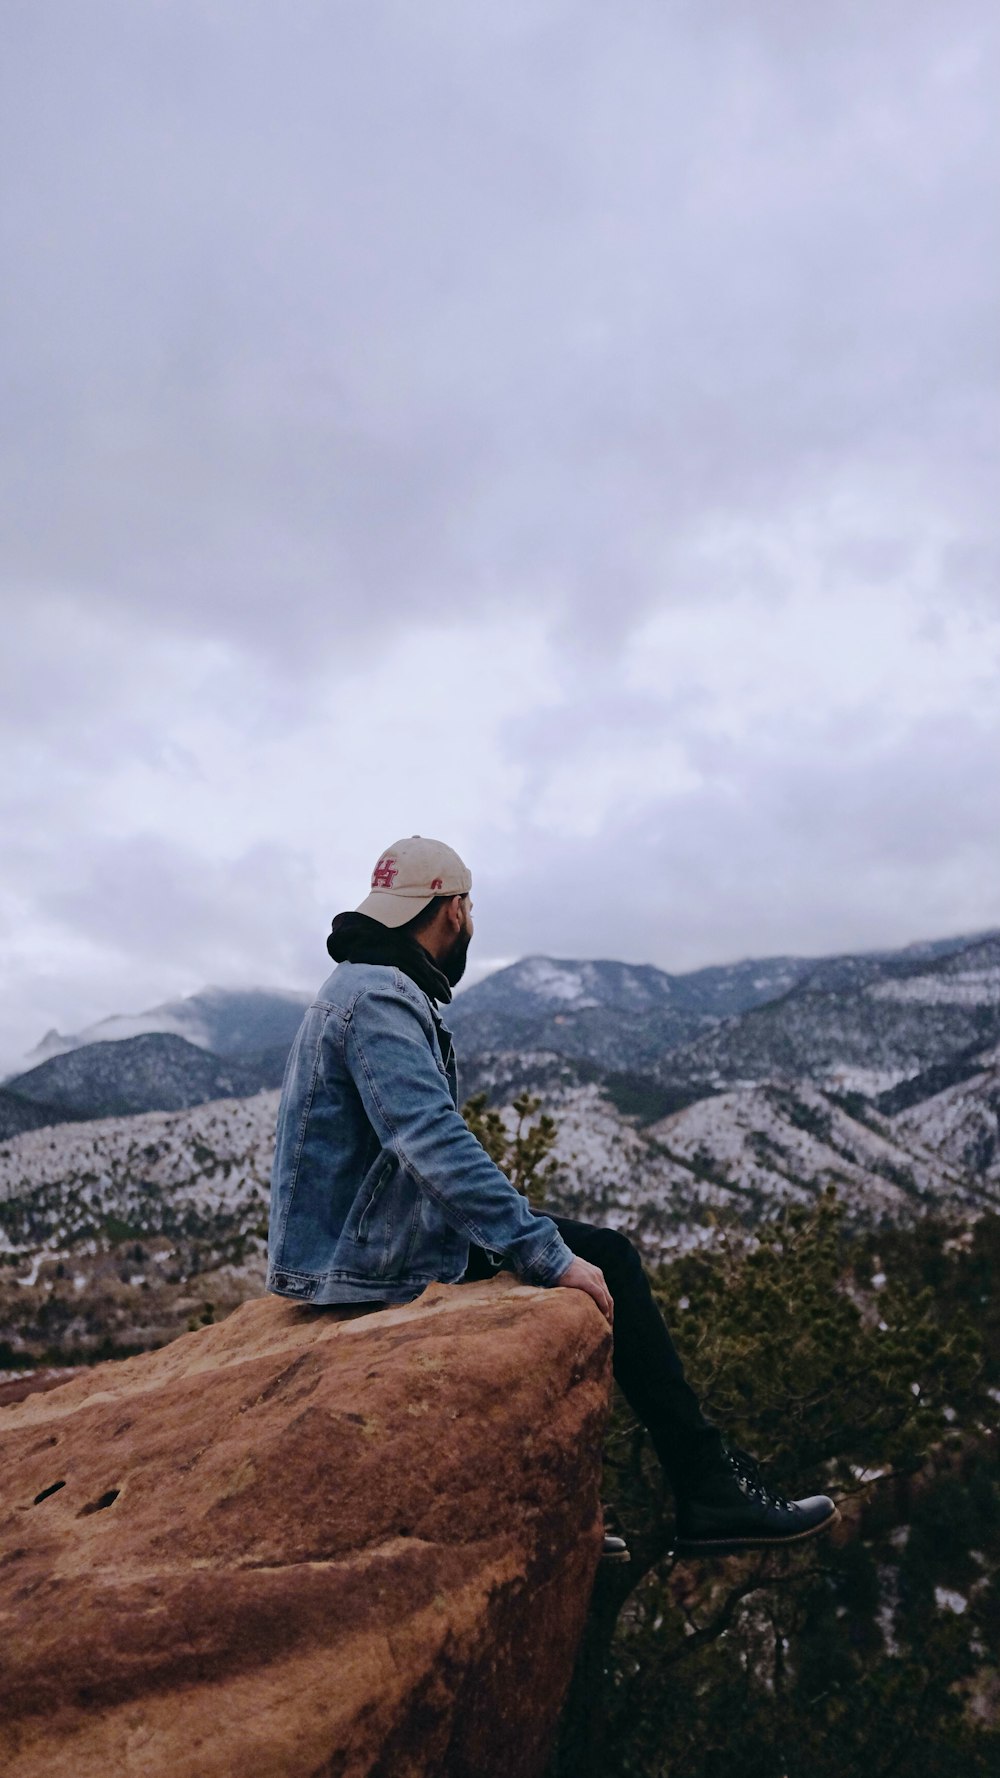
pixel 645 1360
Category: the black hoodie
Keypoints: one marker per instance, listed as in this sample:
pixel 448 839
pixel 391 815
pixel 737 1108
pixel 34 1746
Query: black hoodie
pixel 357 938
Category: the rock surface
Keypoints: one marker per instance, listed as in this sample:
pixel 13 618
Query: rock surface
pixel 307 1542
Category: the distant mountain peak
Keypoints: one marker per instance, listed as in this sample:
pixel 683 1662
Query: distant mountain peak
pixel 551 978
pixel 225 1021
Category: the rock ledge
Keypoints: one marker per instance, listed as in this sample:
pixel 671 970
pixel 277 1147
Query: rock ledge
pixel 309 1543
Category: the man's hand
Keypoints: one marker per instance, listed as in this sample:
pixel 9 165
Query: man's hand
pixel 581 1275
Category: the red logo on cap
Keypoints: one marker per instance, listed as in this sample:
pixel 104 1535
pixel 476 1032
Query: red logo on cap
pixel 384 874
pixel 438 883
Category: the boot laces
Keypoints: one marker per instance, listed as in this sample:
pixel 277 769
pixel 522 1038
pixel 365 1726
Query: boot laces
pixel 747 1472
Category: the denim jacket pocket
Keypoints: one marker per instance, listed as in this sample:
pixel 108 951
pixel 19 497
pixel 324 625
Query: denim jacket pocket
pixel 361 1232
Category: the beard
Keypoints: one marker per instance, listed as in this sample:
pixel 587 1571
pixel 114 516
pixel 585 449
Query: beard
pixel 452 964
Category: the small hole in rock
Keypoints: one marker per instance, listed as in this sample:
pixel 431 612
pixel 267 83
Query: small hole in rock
pixel 97 1506
pixel 47 1491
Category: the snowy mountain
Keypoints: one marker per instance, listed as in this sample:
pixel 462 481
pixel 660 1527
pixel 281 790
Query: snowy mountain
pixel 765 1145
pixel 170 1173
pixel 960 1126
pixel 227 1021
pixel 619 1015
pixel 156 1072
pixel 901 1020
pixel 627 1017
pixel 744 1153
pixel 893 1026
pixel 115 1233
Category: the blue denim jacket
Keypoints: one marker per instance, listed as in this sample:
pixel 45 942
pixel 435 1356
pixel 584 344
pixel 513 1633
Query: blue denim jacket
pixel 378 1185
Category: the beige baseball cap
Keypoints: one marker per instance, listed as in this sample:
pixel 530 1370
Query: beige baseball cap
pixel 409 874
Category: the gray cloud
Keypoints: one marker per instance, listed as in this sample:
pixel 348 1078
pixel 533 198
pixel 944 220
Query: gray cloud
pixel 328 335
pixel 330 319
pixel 845 837
pixel 140 897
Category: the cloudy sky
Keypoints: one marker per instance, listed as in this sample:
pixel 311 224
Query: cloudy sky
pixel 566 428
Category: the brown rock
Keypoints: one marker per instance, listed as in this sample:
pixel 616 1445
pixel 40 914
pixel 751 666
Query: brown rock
pixel 34 1383
pixel 307 1542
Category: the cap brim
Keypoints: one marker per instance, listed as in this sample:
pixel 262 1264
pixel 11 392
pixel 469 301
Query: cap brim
pixel 393 910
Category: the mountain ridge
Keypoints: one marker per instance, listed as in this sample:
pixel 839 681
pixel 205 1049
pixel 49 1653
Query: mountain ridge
pixel 626 1016
pixel 124 1228
pixel 157 1071
pixel 227 1021
pixel 905 1019
pixel 870 1023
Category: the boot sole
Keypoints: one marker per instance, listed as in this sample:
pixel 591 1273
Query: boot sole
pixel 725 1546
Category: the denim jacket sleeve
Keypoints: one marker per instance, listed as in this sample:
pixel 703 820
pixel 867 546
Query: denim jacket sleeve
pixel 390 1052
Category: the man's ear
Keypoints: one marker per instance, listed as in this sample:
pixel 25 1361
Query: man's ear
pixel 455 912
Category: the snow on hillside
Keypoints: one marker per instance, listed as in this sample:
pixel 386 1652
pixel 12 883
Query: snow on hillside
pixel 199 1178
pixel 556 981
pixel 612 1175
pixel 154 1172
pixel 961 1125
pixel 770 1144
pixel 968 987
pixel 855 1025
pixel 870 1082
pixel 742 1155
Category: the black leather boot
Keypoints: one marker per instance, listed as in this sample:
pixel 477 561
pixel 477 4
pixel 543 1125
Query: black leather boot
pixel 729 1508
pixel 615 1547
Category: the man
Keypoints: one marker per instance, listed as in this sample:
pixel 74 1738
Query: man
pixel 379 1188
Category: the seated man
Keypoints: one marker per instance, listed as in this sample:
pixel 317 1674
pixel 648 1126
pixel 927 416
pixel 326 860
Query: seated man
pixel 379 1188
